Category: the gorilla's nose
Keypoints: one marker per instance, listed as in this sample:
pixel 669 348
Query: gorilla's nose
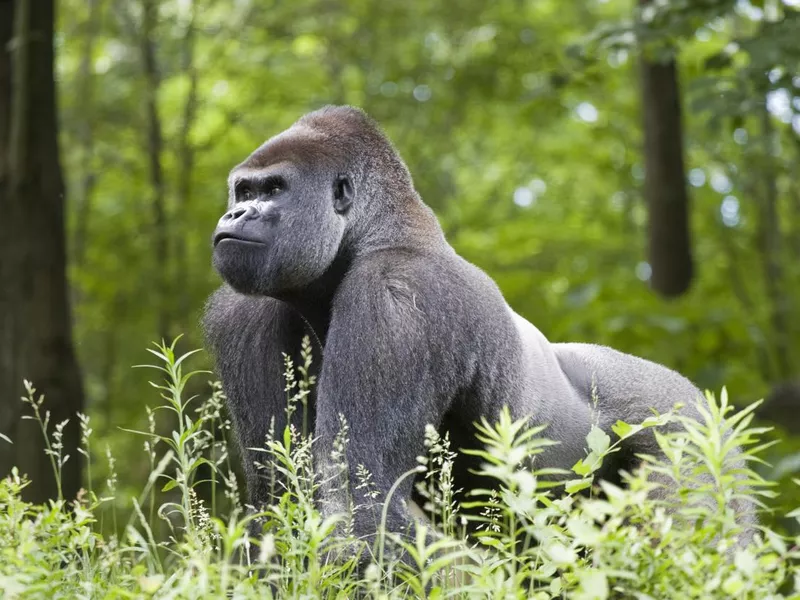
pixel 238 215
pixel 248 223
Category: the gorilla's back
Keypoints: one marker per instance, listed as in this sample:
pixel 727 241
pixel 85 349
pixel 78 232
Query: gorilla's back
pixel 572 385
pixel 604 376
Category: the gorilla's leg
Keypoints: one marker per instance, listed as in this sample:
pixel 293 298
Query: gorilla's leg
pixel 628 388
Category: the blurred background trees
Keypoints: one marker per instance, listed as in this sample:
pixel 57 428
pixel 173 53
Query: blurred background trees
pixel 525 125
pixel 35 321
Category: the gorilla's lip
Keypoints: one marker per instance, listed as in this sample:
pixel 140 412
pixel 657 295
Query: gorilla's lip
pixel 228 236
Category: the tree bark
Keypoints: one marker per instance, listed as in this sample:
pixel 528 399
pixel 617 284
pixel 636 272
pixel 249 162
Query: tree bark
pixel 35 325
pixel 186 153
pixel 770 242
pixel 6 34
pixel 86 133
pixel 155 145
pixel 665 189
pixel 10 406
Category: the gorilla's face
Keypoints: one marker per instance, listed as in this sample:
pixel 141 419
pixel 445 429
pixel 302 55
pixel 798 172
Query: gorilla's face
pixel 287 210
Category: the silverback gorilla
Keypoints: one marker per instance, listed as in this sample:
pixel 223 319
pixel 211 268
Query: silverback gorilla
pixel 326 237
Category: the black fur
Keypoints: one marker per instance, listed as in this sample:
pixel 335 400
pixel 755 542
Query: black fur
pixel 343 249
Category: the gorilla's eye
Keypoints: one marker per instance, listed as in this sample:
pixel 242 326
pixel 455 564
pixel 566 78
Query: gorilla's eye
pixel 254 189
pixel 274 186
pixel 245 192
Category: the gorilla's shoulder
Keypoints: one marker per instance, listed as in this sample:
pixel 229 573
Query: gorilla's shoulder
pixel 438 286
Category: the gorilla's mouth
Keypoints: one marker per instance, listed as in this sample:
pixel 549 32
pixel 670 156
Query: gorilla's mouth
pixel 227 236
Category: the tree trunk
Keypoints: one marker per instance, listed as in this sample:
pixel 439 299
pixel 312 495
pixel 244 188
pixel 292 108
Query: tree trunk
pixel 10 406
pixel 770 242
pixel 35 327
pixel 186 166
pixel 670 252
pixel 86 133
pixel 155 144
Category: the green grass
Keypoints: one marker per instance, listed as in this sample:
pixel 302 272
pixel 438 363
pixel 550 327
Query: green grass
pixel 531 543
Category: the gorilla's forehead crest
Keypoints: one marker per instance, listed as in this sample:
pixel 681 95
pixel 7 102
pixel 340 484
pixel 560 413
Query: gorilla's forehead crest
pixel 297 144
pixel 328 134
pixel 341 121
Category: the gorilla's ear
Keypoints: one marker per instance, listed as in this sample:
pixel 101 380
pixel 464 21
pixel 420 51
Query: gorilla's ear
pixel 342 194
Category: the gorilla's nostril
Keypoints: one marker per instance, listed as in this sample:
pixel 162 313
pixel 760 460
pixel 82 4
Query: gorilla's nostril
pixel 240 213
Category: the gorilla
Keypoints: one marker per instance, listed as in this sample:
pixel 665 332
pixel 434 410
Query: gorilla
pixel 326 237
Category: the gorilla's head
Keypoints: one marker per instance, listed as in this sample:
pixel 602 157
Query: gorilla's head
pixel 304 197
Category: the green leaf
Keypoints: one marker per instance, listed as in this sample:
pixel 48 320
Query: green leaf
pixel 594 584
pixel 745 562
pixel 287 438
pixel 598 440
pixel 576 485
pixel 621 428
pixel 581 468
pixel 561 554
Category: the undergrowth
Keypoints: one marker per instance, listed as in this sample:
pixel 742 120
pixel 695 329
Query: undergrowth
pixel 584 539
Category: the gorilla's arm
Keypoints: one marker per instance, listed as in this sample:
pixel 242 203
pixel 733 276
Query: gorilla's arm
pixel 378 372
pixel 248 335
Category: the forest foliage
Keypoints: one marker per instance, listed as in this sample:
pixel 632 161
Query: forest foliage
pixel 526 542
pixel 521 124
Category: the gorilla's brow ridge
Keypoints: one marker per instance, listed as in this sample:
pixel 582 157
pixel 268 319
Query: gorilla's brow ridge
pixel 258 173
